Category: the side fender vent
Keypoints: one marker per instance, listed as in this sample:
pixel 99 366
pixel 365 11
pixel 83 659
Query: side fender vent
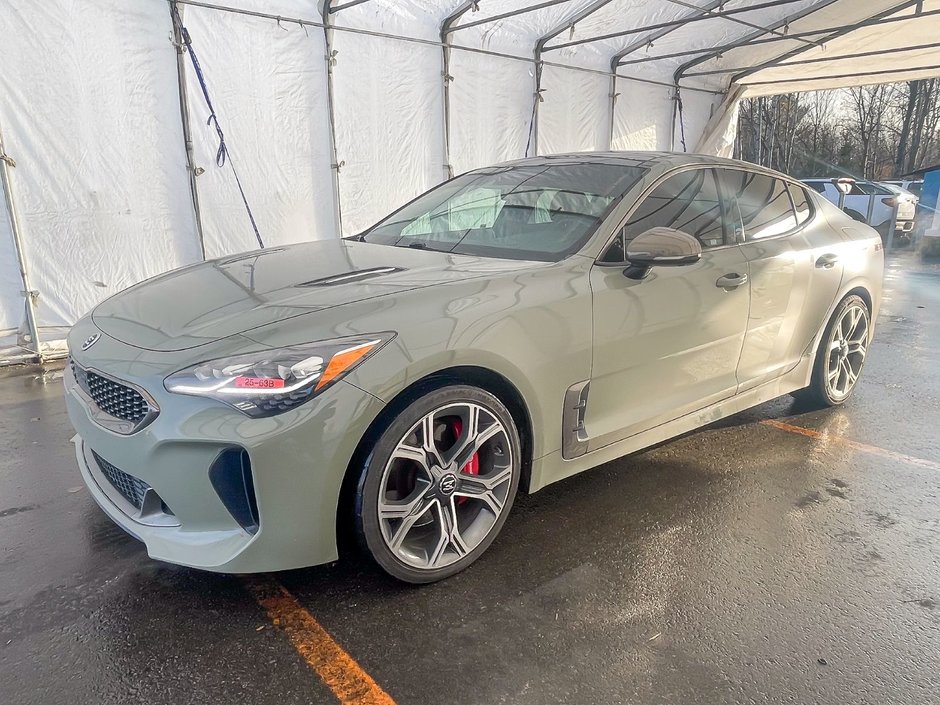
pixel 574 438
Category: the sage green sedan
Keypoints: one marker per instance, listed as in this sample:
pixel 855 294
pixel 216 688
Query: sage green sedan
pixel 511 327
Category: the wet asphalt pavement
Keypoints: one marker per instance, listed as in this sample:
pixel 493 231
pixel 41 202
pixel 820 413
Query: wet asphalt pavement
pixel 743 563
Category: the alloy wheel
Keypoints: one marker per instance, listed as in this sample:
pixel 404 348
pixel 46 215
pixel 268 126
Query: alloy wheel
pixel 445 485
pixel 848 345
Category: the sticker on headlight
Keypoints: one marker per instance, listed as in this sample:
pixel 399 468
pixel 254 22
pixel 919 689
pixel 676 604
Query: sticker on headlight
pixel 258 383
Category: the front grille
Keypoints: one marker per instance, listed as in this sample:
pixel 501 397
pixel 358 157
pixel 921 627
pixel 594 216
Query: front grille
pixel 130 487
pixel 113 398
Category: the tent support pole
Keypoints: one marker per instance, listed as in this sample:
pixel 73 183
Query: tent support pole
pixel 536 99
pixel 675 116
pixel 187 129
pixel 446 78
pixel 568 23
pixel 6 164
pixel 336 165
pixel 612 109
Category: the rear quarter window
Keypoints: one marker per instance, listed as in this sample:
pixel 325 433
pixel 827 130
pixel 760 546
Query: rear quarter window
pixel 801 203
pixel 763 201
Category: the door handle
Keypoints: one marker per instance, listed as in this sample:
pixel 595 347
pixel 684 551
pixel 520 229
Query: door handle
pixel 731 281
pixel 827 261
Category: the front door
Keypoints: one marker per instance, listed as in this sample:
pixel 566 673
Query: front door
pixel 668 344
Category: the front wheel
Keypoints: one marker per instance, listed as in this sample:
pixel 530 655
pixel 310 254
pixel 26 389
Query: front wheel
pixel 841 354
pixel 439 483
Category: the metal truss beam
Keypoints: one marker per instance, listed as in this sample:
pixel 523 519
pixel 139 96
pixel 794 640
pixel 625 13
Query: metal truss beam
pixel 821 60
pixel 700 13
pixel 744 23
pixel 351 3
pixel 857 74
pixel 506 15
pixel 842 31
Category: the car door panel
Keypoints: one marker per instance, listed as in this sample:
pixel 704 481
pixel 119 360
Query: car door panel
pixel 780 276
pixel 664 346
pixel 668 343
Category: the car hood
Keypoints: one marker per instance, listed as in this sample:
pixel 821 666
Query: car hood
pixel 203 303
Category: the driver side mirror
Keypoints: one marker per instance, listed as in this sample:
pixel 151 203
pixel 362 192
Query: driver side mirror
pixel 660 247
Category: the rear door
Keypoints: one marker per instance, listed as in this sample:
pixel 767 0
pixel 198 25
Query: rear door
pixel 794 269
pixel 668 344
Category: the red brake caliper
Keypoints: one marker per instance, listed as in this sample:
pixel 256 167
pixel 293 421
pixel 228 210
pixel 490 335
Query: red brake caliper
pixel 472 467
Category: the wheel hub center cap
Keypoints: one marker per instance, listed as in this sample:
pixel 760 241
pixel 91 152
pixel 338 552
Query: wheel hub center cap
pixel 447 484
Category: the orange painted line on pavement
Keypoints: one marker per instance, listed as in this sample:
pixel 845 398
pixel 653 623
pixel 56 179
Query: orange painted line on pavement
pixel 864 447
pixel 337 669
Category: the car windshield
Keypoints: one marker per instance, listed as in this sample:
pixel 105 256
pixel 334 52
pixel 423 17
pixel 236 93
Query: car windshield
pixel 534 212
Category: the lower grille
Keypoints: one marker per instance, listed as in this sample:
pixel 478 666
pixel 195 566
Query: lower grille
pixel 130 487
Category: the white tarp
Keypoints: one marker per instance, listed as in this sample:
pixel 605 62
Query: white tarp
pixel 489 118
pixel 90 113
pixel 268 86
pixel 90 110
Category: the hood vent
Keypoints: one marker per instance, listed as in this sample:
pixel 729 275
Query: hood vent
pixel 350 277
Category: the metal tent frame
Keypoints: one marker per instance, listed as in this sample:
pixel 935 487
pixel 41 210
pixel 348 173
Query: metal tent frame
pixel 464 17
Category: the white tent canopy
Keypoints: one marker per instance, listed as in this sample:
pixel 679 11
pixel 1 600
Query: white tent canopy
pixel 335 112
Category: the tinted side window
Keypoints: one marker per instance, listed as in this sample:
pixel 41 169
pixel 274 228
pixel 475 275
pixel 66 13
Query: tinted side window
pixel 867 188
pixel 764 203
pixel 800 203
pixel 817 186
pixel 688 202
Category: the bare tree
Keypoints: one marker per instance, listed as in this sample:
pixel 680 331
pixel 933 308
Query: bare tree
pixel 869 106
pixel 873 132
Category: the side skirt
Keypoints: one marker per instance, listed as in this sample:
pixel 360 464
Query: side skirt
pixel 553 467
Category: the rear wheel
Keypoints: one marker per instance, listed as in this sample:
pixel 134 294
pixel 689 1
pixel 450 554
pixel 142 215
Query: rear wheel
pixel 438 486
pixel 841 354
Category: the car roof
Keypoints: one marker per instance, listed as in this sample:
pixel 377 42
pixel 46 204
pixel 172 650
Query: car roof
pixel 895 186
pixel 662 161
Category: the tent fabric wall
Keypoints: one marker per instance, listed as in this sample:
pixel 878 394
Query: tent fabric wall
pixel 90 110
pixel 642 116
pixel 268 86
pixel 490 109
pixel 90 113
pixel 388 125
pixel 573 116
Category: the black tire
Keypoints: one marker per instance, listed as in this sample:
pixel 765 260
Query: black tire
pixel 818 392
pixel 372 477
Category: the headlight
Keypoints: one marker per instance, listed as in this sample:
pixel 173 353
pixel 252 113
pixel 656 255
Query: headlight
pixel 270 382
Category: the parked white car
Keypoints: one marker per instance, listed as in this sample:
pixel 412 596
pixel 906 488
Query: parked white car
pixel 911 186
pixel 871 203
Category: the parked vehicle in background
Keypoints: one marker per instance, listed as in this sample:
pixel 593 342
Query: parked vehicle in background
pixel 912 186
pixel 923 216
pixel 871 203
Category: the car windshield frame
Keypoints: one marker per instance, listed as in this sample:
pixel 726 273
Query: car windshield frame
pixel 438 203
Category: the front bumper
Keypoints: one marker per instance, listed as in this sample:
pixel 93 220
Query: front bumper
pixel 298 461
